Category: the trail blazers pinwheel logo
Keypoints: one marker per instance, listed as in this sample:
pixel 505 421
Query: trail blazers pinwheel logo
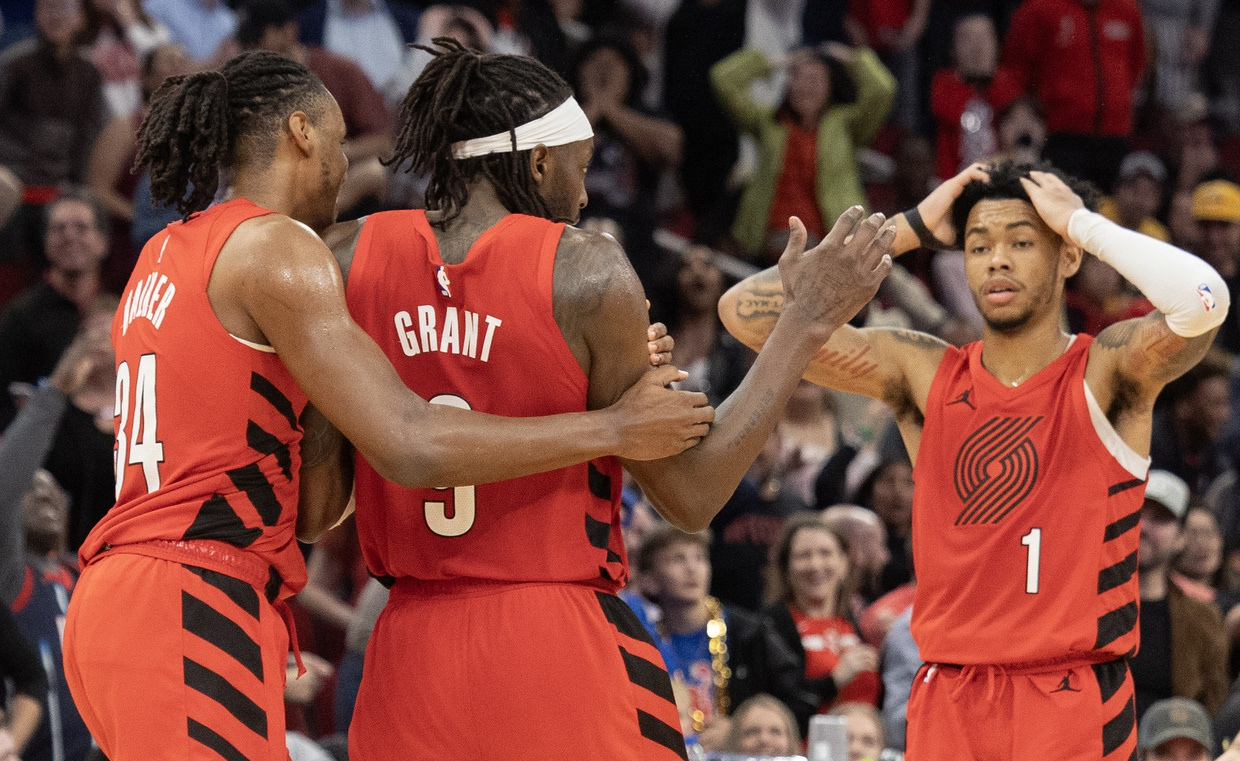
pixel 996 468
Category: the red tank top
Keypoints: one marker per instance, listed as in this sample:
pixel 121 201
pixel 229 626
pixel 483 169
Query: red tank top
pixel 207 438
pixel 1025 525
pixel 481 335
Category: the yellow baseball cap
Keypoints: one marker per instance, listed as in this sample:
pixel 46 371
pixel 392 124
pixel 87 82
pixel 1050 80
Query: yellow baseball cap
pixel 1217 200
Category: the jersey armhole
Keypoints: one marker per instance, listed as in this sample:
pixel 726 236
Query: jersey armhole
pixel 1125 455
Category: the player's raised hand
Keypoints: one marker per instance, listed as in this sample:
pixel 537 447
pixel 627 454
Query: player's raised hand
pixel 936 208
pixel 827 285
pixel 1054 201
pixel 656 422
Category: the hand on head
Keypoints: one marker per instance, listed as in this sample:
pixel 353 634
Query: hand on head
pixel 936 208
pixel 1054 201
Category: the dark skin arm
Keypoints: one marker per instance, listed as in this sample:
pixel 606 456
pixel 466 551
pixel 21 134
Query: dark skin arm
pixel 275 282
pixel 599 307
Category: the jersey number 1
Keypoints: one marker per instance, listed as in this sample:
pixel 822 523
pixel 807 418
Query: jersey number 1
pixel 1033 540
pixel 463 508
pixel 137 444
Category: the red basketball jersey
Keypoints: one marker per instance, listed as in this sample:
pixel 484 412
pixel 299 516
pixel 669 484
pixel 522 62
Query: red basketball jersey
pixel 481 335
pixel 1025 522
pixel 207 437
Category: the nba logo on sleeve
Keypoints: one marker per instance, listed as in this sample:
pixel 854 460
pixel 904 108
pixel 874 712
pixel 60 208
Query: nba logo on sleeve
pixel 1206 295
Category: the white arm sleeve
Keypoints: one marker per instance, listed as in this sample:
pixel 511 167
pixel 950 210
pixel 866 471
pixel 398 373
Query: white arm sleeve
pixel 1190 293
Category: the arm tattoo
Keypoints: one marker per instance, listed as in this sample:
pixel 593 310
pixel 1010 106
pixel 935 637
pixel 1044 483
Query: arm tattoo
pixel 918 339
pixel 853 363
pixel 760 304
pixel 1118 335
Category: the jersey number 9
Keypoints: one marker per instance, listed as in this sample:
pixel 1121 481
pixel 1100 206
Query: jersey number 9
pixel 463 509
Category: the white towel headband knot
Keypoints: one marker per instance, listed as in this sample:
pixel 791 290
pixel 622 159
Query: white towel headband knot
pixel 567 123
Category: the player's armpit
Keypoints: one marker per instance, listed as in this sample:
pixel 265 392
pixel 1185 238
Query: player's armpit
pixel 326 476
pixel 1144 352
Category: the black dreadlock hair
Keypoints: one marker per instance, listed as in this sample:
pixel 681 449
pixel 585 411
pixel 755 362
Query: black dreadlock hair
pixel 1005 184
pixel 199 123
pixel 462 95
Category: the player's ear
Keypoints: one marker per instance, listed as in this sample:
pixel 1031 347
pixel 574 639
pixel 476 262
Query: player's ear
pixel 1070 256
pixel 540 163
pixel 300 131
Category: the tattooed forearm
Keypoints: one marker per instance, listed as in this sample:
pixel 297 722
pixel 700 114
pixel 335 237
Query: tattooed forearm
pixel 760 304
pixel 853 363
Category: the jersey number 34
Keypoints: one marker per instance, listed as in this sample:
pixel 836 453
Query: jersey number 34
pixel 137 443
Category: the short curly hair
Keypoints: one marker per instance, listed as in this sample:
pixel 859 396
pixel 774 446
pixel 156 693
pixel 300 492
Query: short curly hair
pixel 1004 184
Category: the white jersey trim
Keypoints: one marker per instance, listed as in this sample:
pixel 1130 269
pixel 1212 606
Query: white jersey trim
pixel 1125 455
pixel 257 347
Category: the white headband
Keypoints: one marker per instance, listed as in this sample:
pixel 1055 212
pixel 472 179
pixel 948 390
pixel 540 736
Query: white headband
pixel 567 123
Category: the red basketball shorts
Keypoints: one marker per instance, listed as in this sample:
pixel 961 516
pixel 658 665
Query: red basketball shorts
pixel 1071 712
pixel 490 672
pixel 167 661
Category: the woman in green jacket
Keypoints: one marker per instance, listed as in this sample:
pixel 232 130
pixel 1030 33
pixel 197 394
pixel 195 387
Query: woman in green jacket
pixel 836 100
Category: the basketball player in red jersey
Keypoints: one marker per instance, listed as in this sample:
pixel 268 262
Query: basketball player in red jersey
pixel 233 319
pixel 1031 451
pixel 503 637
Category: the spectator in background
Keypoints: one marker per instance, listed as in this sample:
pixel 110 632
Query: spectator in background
pixel 120 35
pixel 867 550
pixel 38 325
pixel 865 730
pixel 888 491
pixel 1022 132
pixel 270 25
pixel 632 147
pixel 899 663
pixel 837 99
pixel 1188 423
pixel 203 28
pixel 687 299
pixel 1175 730
pixel 809 586
pixel 966 100
pixel 763 726
pixel 373 33
pixel 1138 194
pixel 1216 213
pixel 1098 296
pixel 51 110
pixel 1183 650
pixel 1180 31
pixel 20 666
pixel 893 28
pixel 1088 118
pixel 720 655
pixel 1198 564
pixel 37 573
pixel 699 34
pixel 1182 226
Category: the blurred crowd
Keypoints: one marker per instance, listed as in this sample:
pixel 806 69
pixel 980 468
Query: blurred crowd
pixel 714 120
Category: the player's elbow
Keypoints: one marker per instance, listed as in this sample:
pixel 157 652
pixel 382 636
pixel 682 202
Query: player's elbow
pixel 690 510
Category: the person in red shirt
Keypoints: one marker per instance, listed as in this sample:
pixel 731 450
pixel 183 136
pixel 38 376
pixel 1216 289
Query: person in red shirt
pixel 503 597
pixel 175 643
pixel 1030 451
pixel 968 98
pixel 1082 59
pixel 810 577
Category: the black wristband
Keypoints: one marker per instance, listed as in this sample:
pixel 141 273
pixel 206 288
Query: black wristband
pixel 927 239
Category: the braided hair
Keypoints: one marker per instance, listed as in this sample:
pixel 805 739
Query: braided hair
pixel 201 123
pixel 463 95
